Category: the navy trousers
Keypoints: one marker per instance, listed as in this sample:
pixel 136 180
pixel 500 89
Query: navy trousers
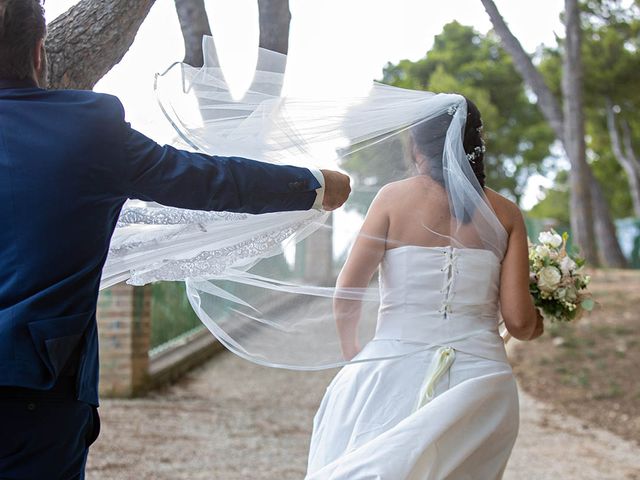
pixel 45 435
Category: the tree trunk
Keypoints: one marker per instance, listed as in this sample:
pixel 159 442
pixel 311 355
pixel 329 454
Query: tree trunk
pixel 574 142
pixel 194 24
pixel 275 20
pixel 84 43
pixel 550 108
pixel 610 252
pixel 524 66
pixel 625 156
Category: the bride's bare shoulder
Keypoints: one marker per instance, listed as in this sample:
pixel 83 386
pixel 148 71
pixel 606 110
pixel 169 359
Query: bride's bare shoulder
pixel 400 187
pixel 507 211
pixel 391 197
pixel 391 190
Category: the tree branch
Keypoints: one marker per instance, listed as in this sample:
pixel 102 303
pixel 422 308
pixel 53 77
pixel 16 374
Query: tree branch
pixel 625 156
pixel 548 104
pixel 84 43
pixel 626 139
pixel 616 147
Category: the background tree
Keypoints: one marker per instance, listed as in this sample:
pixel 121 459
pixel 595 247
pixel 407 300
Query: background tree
pixel 463 60
pixel 274 19
pixel 88 40
pixel 612 62
pixel 580 198
pixel 569 129
pixel 194 24
pixel 611 57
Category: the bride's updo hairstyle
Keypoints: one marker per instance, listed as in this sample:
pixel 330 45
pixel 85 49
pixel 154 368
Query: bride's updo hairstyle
pixel 473 142
pixel 429 137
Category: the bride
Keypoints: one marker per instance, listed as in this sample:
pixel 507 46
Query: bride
pixel 450 410
pixel 431 394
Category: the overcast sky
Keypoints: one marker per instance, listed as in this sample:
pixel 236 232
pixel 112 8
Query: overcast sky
pixel 341 43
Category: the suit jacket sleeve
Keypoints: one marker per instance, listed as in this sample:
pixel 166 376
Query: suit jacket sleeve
pixel 202 182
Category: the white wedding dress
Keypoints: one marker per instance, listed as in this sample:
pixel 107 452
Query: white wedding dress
pixel 445 411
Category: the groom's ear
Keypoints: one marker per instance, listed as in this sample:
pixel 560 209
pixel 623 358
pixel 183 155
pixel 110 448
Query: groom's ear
pixel 37 55
pixel 39 62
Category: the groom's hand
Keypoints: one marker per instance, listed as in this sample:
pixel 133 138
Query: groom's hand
pixel 336 189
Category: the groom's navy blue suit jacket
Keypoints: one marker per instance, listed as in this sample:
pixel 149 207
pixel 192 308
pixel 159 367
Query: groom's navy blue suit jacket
pixel 68 162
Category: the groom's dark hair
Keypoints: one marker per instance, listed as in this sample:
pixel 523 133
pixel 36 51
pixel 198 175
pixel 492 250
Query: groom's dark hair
pixel 22 25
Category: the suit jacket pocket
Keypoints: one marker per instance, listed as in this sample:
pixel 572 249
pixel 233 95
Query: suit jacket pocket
pixel 56 338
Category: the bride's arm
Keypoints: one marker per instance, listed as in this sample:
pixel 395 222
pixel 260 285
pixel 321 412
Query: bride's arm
pixel 521 318
pixel 362 263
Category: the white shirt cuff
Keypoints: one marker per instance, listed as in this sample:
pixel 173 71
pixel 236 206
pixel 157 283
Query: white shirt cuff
pixel 319 191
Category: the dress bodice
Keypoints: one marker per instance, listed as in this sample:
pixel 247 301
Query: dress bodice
pixel 441 295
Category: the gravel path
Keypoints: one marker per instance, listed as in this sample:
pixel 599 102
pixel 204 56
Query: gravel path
pixel 232 420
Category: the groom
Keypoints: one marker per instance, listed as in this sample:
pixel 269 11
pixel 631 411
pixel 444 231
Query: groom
pixel 68 162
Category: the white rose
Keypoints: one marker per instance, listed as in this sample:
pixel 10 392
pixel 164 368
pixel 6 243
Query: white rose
pixel 550 238
pixel 549 278
pixel 543 251
pixel 571 294
pixel 567 266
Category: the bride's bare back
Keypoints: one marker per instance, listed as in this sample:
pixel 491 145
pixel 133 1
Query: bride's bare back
pixel 416 212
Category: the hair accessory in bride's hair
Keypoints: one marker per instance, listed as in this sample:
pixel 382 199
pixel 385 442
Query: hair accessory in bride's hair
pixel 452 109
pixel 477 151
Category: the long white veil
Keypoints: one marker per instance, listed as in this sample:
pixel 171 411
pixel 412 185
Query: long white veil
pixel 264 284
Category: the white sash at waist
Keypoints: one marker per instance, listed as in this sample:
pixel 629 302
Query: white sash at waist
pixel 480 343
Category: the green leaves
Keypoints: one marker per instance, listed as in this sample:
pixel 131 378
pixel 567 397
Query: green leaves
pixel 464 61
pixel 611 58
pixel 588 304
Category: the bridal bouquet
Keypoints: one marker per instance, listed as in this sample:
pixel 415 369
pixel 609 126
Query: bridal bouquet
pixel 557 280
